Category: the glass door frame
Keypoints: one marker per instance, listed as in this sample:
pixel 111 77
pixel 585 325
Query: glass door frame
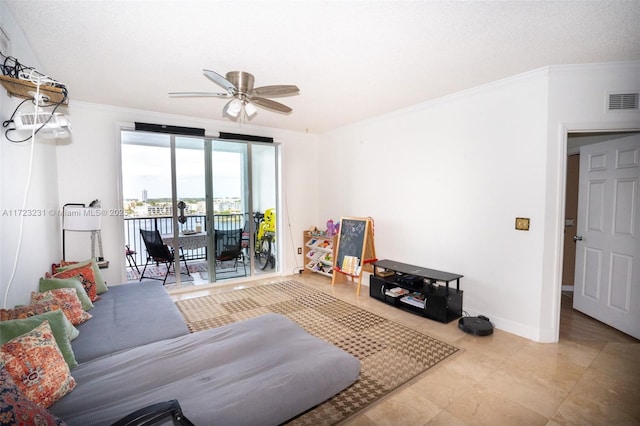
pixel 247 196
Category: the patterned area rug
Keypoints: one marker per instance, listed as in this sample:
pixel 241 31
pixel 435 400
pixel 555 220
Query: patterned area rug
pixel 160 270
pixel 390 354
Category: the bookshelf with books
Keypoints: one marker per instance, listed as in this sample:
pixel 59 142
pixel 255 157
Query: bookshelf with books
pixel 318 253
pixel 415 289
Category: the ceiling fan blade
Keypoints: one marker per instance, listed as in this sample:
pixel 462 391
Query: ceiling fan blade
pixel 220 81
pixel 277 90
pixel 269 104
pixel 198 95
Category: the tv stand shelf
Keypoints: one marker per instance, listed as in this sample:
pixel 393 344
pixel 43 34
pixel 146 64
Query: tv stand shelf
pixel 422 291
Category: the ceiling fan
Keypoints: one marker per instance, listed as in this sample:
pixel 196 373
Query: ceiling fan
pixel 239 87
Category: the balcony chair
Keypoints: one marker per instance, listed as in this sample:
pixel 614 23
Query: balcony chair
pixel 159 252
pixel 131 257
pixel 229 247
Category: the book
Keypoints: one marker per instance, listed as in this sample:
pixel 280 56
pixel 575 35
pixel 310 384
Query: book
pixel 396 292
pixel 414 299
pixel 350 265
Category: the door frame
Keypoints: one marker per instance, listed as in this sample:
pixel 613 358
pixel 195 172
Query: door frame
pixel 565 129
pixel 252 275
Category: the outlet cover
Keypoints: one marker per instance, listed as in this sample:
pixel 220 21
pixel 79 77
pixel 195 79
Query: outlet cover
pixel 299 250
pixel 522 223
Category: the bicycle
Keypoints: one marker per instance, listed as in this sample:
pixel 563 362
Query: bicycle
pixel 265 238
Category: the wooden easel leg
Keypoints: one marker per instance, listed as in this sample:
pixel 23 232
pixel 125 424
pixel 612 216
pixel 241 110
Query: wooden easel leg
pixel 359 282
pixel 333 278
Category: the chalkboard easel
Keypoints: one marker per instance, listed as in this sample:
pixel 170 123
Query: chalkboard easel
pixel 355 249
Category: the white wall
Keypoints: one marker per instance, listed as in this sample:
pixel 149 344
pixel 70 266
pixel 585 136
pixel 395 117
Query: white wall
pixel 445 180
pixel 88 168
pixel 40 243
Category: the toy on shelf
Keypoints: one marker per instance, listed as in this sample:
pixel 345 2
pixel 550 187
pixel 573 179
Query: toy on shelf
pixel 330 228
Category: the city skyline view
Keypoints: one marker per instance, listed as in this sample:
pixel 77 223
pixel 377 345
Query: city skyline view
pixel 194 206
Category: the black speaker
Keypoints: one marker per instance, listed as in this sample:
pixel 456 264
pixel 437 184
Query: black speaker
pixel 241 137
pixel 165 128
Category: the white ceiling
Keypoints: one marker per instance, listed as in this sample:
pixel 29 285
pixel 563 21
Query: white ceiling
pixel 351 59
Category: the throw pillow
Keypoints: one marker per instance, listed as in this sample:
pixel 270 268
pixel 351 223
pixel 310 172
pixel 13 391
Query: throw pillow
pixel 53 283
pixel 21 312
pixel 60 327
pixel 37 367
pixel 17 409
pixel 86 276
pixel 56 314
pixel 68 300
pixel 101 285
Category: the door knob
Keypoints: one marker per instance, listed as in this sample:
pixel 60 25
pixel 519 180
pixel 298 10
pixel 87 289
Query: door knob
pixel 577 238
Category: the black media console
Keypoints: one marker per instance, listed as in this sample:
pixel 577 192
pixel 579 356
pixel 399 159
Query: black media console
pixel 419 290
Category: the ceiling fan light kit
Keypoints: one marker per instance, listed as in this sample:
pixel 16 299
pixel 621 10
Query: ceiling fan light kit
pixel 250 109
pixel 239 87
pixel 232 108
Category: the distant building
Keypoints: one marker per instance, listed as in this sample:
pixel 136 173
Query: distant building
pixel 144 196
pixel 226 204
pixel 154 208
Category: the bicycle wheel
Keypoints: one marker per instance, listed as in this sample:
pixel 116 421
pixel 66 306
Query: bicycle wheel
pixel 272 258
pixel 264 253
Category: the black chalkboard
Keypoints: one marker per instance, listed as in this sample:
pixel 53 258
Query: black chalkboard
pixel 351 239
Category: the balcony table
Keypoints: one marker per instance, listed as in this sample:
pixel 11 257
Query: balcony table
pixel 188 241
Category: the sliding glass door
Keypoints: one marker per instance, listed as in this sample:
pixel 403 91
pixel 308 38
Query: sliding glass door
pixel 207 198
pixel 228 202
pixel 264 198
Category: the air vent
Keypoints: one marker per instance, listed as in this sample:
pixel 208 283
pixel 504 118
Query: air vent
pixel 623 101
pixel 30 121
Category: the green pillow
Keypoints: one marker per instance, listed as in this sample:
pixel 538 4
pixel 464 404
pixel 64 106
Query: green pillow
pixel 47 284
pixel 60 326
pixel 101 285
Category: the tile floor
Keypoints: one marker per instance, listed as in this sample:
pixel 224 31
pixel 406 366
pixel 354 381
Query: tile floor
pixel 501 379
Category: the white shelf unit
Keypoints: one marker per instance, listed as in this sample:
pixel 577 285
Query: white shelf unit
pixel 318 253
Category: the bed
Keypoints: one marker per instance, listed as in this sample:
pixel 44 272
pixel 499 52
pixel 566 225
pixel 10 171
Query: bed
pixel 261 371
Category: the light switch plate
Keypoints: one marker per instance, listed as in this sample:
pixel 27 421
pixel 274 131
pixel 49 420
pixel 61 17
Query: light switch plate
pixel 522 223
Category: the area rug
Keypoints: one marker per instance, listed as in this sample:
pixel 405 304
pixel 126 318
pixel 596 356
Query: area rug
pixel 390 354
pixel 159 271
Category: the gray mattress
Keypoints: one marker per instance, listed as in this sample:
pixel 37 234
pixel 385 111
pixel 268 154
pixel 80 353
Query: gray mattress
pixel 127 316
pixel 261 371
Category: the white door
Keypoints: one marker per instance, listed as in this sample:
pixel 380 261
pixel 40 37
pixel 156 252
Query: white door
pixel 607 285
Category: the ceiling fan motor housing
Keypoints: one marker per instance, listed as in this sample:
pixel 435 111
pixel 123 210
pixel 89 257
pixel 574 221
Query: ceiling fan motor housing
pixel 242 80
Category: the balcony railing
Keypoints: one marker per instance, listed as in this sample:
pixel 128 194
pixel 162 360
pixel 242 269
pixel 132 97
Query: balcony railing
pixel 164 224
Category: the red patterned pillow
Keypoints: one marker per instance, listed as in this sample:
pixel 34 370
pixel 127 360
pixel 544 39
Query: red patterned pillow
pixel 87 278
pixel 67 300
pixel 17 409
pixel 67 263
pixel 37 366
pixel 22 312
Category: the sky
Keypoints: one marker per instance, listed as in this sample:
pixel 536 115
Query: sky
pixel 149 167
